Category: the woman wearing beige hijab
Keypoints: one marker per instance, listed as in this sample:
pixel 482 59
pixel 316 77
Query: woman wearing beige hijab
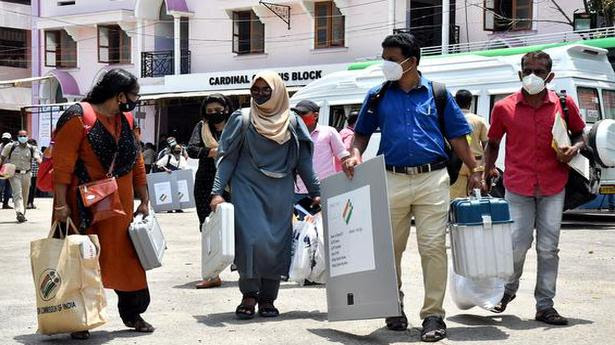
pixel 259 153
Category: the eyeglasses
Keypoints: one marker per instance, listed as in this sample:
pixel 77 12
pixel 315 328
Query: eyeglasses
pixel 137 96
pixel 261 91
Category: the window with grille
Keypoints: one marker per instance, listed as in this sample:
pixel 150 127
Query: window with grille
pixel 60 49
pixel 114 45
pixel 248 33
pixel 508 15
pixel 14 47
pixel 329 26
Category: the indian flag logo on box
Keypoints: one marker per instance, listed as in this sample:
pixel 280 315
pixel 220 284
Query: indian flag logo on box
pixel 347 214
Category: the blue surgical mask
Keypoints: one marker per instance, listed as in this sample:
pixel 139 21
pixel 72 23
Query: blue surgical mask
pixel 22 140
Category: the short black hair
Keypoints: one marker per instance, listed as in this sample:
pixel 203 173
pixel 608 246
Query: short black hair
pixel 352 118
pixel 408 44
pixel 539 55
pixel 464 99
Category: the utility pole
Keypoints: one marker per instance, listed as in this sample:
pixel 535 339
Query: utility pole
pixel 446 25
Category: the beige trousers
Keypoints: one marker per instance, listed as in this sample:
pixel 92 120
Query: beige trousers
pixel 20 184
pixel 426 197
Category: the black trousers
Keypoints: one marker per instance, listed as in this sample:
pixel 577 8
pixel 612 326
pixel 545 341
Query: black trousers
pixel 32 191
pixel 265 290
pixel 131 304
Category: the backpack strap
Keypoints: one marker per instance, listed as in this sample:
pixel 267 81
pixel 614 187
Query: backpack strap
pixel 13 147
pixel 374 100
pixel 89 117
pixel 441 97
pixel 562 101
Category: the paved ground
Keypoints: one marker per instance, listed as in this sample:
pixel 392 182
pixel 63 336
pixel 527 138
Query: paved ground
pixel 184 315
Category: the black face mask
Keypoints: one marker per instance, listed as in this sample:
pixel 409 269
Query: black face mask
pixel 261 99
pixel 6 141
pixel 216 118
pixel 128 106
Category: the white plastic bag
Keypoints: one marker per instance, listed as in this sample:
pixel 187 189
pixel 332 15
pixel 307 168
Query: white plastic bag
pixel 318 274
pixel 468 293
pixel 300 263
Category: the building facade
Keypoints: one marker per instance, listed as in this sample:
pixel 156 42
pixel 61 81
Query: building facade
pixel 183 50
pixel 15 63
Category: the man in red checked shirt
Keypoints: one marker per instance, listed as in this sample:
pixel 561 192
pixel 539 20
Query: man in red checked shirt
pixel 535 176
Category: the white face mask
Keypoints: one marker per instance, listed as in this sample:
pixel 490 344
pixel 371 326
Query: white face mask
pixel 392 70
pixel 533 84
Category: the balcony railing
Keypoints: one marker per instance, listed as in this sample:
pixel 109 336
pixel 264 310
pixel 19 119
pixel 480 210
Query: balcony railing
pixel 431 35
pixel 161 63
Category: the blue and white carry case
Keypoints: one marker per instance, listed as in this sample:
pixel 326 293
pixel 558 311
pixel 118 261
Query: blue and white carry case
pixel 481 237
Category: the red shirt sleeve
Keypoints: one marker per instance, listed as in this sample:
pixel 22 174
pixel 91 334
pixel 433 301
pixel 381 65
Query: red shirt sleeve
pixel 497 129
pixel 576 124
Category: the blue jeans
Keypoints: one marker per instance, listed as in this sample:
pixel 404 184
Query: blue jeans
pixel 545 215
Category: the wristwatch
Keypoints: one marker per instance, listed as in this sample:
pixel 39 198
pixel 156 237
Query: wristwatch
pixel 479 168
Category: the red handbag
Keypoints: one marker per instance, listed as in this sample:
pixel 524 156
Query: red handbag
pixel 44 177
pixel 102 198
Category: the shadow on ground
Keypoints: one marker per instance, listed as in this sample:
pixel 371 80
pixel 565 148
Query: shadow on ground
pixel 234 284
pixel 383 336
pixel 510 321
pixel 96 338
pixel 224 319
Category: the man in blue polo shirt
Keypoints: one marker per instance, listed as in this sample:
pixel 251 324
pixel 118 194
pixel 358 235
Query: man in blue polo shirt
pixel 418 183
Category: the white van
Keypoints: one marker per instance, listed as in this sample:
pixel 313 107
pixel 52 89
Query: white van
pixel 583 71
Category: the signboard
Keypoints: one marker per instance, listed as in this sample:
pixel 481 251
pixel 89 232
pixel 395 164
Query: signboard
pixel 47 120
pixel 240 79
pixel 362 281
pixel 172 191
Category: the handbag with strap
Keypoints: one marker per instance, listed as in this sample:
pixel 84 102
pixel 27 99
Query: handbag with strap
pixel 101 197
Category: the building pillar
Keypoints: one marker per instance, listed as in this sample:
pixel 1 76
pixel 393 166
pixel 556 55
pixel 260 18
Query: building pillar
pixel 177 44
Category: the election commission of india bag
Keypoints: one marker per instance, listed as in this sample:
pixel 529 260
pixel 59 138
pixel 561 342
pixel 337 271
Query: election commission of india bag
pixel 69 291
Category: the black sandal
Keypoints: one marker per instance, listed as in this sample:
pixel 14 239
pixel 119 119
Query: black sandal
pixel 140 325
pixel 267 309
pixel 397 323
pixel 434 329
pixel 245 311
pixel 500 307
pixel 83 335
pixel 551 317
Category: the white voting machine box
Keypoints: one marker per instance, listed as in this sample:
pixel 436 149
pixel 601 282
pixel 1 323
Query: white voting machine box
pixel 148 241
pixel 362 280
pixel 218 241
pixel 171 191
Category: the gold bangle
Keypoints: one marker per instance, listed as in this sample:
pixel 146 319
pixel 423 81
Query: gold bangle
pixel 479 168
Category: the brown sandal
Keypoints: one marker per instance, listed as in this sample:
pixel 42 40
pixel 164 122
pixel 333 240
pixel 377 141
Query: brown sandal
pixel 209 283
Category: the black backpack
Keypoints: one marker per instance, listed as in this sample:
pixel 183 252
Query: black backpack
pixel 454 163
pixel 579 190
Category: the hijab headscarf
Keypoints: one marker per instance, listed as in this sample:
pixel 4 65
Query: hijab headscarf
pixel 208 139
pixel 271 119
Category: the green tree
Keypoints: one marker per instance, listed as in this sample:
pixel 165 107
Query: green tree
pixel 604 8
